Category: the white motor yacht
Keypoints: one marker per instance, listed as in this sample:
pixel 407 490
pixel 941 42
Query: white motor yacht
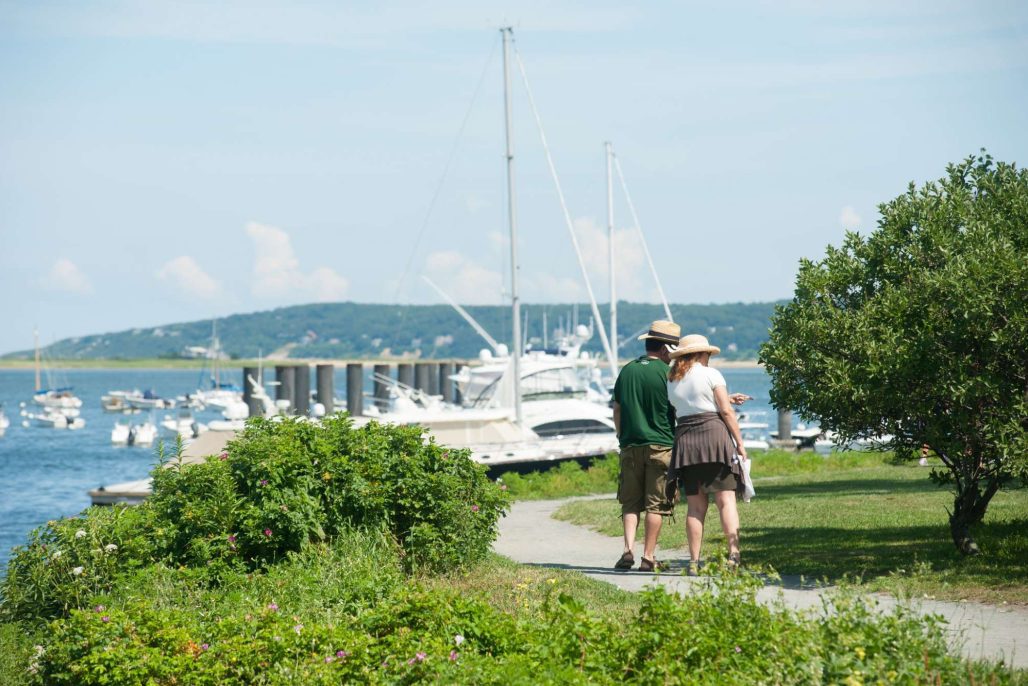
pixel 120 433
pixel 52 419
pixel 183 424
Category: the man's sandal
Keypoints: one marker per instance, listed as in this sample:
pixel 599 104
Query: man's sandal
pixel 627 561
pixel 652 565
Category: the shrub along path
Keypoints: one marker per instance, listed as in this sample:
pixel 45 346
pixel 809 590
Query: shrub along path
pixel 530 535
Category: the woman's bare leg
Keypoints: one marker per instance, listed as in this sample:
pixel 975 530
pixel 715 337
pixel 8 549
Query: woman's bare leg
pixel 725 501
pixel 697 512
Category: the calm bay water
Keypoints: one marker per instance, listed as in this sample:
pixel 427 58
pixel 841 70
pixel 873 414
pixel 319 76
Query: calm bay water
pixel 45 473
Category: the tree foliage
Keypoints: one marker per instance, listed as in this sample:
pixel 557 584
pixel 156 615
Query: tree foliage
pixel 918 331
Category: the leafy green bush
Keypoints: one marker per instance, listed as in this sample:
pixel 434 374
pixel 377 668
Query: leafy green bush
pixel 717 634
pixel 68 561
pixel 278 487
pixel 284 483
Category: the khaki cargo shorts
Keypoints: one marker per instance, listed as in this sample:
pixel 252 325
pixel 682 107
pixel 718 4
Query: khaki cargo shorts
pixel 643 479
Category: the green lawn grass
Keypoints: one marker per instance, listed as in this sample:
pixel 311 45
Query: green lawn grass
pixel 885 524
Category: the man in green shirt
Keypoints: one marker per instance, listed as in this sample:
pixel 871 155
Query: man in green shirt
pixel 645 422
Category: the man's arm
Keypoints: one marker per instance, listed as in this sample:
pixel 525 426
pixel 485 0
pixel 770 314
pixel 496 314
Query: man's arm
pixel 617 420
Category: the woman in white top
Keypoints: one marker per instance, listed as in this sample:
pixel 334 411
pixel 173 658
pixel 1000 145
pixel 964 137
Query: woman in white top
pixel 707 441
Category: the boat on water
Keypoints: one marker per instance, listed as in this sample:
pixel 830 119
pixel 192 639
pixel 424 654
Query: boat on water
pixel 127 434
pixel 52 419
pixel 182 424
pixel 5 423
pixel 212 391
pixel 59 399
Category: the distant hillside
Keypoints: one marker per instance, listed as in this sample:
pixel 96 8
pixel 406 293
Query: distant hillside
pixel 353 330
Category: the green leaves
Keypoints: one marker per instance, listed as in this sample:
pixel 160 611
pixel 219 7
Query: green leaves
pixel 918 330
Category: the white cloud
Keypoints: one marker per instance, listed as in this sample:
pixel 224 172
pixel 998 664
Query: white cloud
pixel 186 276
pixel 849 219
pixel 632 275
pixel 463 279
pixel 67 277
pixel 277 274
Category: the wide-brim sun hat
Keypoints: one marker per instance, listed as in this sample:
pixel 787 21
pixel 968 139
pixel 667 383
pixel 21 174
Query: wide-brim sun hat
pixel 664 331
pixel 694 343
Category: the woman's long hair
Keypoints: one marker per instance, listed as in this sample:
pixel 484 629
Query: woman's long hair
pixel 682 365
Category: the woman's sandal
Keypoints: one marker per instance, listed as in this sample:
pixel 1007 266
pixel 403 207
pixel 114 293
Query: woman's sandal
pixel 627 561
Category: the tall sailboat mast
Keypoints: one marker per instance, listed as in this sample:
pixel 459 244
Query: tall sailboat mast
pixel 610 249
pixel 508 34
pixel 35 338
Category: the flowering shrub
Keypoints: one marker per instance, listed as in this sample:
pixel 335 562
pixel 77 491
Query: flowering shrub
pixel 719 635
pixel 282 484
pixel 68 561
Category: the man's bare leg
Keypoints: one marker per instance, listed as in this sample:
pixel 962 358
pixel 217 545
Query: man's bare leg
pixel 631 522
pixel 651 531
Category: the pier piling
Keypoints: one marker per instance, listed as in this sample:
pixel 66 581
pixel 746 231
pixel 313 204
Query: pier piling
pixel 286 389
pixel 302 389
pixel 355 389
pixel 326 387
pixel 253 405
pixel 381 387
pixel 445 382
pixel 422 375
pixel 784 425
pixel 405 374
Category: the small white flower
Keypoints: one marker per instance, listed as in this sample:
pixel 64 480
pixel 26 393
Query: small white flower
pixel 458 639
pixel 80 533
pixel 110 547
pixel 39 651
pixel 57 554
pixel 78 570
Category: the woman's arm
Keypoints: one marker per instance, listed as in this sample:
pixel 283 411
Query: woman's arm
pixel 724 408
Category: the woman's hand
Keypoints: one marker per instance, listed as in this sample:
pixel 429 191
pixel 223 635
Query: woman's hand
pixel 741 452
pixel 739 398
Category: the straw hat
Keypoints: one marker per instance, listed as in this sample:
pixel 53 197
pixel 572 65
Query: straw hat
pixel 664 331
pixel 694 343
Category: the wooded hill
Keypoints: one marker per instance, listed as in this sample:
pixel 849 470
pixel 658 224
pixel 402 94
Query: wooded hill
pixel 355 330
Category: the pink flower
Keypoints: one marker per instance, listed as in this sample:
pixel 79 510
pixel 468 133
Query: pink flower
pixel 99 608
pixel 204 647
pixel 418 657
pixel 738 649
pixel 267 532
pixel 342 654
pixel 474 508
pixel 503 487
pixel 223 456
pixel 453 656
pixel 231 538
pixel 273 607
pixel 298 628
pixel 105 619
pixel 329 659
pixel 264 482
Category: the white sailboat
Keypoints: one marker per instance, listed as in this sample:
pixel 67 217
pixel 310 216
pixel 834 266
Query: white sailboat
pixel 507 425
pixel 4 421
pixel 54 400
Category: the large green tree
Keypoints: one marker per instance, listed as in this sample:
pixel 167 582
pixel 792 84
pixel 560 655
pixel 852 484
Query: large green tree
pixel 918 333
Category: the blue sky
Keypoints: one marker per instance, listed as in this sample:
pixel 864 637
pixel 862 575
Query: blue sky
pixel 168 161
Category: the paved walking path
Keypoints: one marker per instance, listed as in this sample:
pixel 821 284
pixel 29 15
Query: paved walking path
pixel 530 535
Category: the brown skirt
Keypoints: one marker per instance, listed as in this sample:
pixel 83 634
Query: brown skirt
pixel 703 439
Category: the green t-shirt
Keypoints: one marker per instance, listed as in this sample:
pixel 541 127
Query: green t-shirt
pixel 647 417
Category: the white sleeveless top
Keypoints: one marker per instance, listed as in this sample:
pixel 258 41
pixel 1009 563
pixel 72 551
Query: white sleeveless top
pixel 694 393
